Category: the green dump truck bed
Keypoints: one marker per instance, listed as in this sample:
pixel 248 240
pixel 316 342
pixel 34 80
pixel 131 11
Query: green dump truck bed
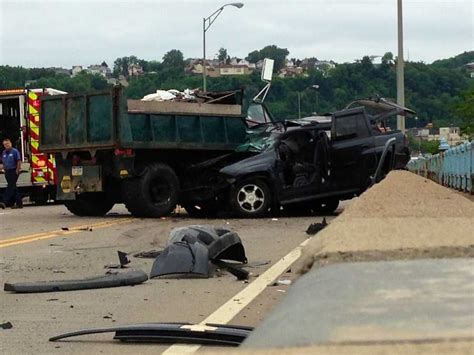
pixel 105 120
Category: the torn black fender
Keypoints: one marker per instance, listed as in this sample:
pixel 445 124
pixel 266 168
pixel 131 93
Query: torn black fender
pixel 182 258
pixel 204 334
pixel 128 278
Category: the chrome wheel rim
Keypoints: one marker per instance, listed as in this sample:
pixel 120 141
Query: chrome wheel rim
pixel 251 198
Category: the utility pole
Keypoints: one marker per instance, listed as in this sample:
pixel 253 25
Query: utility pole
pixel 299 104
pixel 400 68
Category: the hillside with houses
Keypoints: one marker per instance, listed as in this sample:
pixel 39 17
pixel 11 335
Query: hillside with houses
pixel 441 93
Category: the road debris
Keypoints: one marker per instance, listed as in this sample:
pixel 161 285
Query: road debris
pixel 182 258
pixel 151 254
pixel 204 334
pixel 191 248
pixel 284 282
pixel 128 278
pixel 314 228
pixel 123 260
pixel 6 325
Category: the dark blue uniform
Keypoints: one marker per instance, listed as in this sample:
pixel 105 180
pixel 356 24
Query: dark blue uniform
pixel 10 159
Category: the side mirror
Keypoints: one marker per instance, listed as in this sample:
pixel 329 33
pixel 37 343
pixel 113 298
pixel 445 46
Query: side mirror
pixel 267 70
pixel 267 75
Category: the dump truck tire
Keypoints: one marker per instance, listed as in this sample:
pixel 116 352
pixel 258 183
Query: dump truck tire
pixel 250 198
pixel 153 194
pixel 90 204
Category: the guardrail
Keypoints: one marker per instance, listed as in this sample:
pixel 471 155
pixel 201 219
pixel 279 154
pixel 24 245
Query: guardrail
pixel 452 168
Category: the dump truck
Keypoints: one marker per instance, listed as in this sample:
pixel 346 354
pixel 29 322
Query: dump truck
pixel 111 150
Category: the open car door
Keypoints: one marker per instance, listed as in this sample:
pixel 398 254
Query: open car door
pixel 352 153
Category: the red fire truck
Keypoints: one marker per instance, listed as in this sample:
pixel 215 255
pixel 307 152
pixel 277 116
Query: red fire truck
pixel 20 122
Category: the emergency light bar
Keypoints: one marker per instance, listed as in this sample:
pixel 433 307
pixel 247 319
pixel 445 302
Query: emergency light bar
pixel 12 91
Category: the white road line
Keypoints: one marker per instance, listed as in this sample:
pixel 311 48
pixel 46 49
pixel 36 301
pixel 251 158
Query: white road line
pixel 237 303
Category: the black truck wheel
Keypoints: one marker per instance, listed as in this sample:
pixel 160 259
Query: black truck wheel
pixel 327 206
pixel 153 194
pixel 90 204
pixel 250 198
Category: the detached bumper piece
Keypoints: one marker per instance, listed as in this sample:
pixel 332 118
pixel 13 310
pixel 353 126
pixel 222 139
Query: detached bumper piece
pixel 203 334
pixel 128 278
pixel 191 248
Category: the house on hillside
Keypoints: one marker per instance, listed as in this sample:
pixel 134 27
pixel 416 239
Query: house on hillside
pixel 195 67
pixel 135 70
pixel 234 69
pixel 102 69
pixel 470 69
pixel 76 69
pixel 324 66
pixel 241 62
pixel 291 72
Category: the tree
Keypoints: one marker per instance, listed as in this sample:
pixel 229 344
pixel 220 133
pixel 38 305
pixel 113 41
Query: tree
pixel 121 65
pixel 387 58
pixel 222 55
pixel 253 57
pixel 272 52
pixel 465 111
pixel 154 66
pixel 174 60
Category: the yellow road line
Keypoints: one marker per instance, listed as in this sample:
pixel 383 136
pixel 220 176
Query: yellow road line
pixel 57 233
pixel 237 303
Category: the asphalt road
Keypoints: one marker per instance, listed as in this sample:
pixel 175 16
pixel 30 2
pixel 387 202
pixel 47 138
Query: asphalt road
pixel 34 247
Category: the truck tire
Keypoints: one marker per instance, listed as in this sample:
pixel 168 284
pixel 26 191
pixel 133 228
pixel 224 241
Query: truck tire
pixel 327 207
pixel 90 204
pixel 250 198
pixel 153 194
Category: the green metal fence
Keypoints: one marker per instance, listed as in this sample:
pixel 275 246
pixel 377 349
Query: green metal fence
pixel 453 168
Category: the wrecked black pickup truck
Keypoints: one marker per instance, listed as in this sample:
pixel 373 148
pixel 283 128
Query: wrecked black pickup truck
pixel 302 165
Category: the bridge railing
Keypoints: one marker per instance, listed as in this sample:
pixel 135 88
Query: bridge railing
pixel 453 168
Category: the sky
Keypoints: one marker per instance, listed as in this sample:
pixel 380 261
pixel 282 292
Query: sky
pixel 64 33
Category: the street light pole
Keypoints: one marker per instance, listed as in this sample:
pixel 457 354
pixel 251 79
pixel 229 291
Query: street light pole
pixel 206 23
pixel 314 87
pixel 299 104
pixel 400 68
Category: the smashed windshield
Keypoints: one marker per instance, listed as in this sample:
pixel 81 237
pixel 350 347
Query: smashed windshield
pixel 259 139
pixel 256 114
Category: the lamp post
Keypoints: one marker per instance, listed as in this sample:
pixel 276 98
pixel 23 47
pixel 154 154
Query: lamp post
pixel 206 23
pixel 400 67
